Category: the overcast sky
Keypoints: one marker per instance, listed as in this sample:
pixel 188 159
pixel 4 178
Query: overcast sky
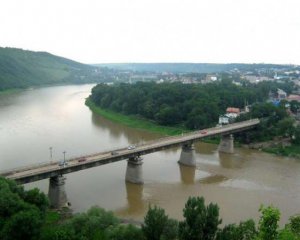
pixel 106 31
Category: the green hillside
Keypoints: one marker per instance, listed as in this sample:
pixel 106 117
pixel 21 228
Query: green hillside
pixel 20 68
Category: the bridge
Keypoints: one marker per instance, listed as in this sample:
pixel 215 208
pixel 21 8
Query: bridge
pixel 55 170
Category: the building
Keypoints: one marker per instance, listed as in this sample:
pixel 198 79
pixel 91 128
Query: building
pixel 281 94
pixel 231 114
pixel 293 97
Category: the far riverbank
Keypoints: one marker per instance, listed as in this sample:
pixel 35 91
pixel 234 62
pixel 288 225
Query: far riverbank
pixel 138 123
pixel 135 122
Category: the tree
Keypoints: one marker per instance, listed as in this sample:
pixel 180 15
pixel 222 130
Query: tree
pixel 128 232
pixel 170 230
pixel 25 224
pixel 294 224
pixel 154 223
pixel 93 223
pixel 244 231
pixel 34 196
pixel 268 223
pixel 201 222
pixel 22 213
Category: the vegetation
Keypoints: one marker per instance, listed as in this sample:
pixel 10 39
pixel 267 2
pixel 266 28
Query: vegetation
pixel 134 122
pixel 21 69
pixel 25 215
pixel 200 222
pixel 158 226
pixel 275 123
pixel 176 104
pixel 22 213
pixel 171 106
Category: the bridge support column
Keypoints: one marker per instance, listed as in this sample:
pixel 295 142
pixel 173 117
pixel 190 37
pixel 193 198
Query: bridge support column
pixel 134 171
pixel 187 156
pixel 57 194
pixel 226 144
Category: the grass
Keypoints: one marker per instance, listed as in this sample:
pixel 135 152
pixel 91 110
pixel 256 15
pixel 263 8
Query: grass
pixel 134 121
pixel 212 140
pixel 289 151
pixel 10 91
pixel 52 217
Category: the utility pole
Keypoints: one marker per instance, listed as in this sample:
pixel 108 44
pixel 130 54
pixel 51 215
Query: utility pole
pixel 50 148
pixel 64 152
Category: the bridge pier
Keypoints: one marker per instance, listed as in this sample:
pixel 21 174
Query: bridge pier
pixel 134 171
pixel 187 156
pixel 57 194
pixel 226 145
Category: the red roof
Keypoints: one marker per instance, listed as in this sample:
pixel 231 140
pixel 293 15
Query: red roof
pixel 293 97
pixel 232 110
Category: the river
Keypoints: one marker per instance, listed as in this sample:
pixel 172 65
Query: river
pixel 32 121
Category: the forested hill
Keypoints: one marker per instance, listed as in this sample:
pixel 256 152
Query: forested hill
pixel 20 68
pixel 187 67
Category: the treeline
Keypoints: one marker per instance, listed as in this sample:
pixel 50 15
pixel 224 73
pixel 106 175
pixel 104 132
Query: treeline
pixel 25 215
pixel 192 106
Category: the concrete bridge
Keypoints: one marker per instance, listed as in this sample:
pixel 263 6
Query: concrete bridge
pixel 55 172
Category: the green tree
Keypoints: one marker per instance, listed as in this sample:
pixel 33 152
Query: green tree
pixel 170 231
pixel 154 223
pixel 295 224
pixel 268 223
pixel 244 231
pixel 22 213
pixel 25 224
pixel 92 224
pixel 201 222
pixel 128 232
pixel 285 127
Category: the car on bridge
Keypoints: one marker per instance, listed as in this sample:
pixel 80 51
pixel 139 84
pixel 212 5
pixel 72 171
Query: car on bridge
pixel 203 132
pixel 62 163
pixel 131 147
pixel 114 153
pixel 82 159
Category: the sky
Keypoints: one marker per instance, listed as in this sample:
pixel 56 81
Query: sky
pixel 115 31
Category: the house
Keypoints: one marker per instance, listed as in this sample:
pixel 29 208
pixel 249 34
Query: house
pixel 229 117
pixel 293 97
pixel 223 120
pixel 281 94
pixel 232 112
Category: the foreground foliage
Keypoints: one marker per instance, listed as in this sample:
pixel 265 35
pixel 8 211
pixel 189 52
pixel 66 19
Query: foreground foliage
pixel 22 213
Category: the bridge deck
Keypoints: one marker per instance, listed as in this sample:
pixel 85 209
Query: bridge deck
pixel 47 170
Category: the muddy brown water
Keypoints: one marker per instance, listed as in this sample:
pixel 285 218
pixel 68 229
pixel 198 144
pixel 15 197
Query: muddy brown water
pixel 34 120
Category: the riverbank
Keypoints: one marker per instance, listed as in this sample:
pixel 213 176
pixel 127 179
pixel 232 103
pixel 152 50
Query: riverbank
pixel 273 147
pixel 286 151
pixel 279 146
pixel 134 121
pixel 10 91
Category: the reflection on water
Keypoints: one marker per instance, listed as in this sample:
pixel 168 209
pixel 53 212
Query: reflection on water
pixel 187 174
pixel 213 179
pixel 228 160
pixel 117 130
pixel 32 121
pixel 136 204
